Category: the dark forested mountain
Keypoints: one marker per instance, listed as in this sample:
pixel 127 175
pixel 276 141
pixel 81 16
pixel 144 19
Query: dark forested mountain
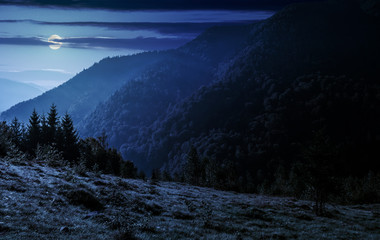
pixel 140 102
pixel 12 92
pixel 253 100
pixel 311 67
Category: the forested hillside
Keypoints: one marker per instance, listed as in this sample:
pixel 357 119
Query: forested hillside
pixel 306 76
pixel 135 106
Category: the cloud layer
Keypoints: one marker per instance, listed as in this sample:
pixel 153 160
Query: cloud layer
pixel 165 35
pixel 140 43
pixel 165 28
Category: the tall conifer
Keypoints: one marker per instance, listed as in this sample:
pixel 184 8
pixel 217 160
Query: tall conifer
pixel 34 132
pixel 44 130
pixel 17 132
pixel 52 124
pixel 69 138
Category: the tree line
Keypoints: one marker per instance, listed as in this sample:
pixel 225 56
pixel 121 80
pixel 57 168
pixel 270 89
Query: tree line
pixel 55 139
pixel 312 178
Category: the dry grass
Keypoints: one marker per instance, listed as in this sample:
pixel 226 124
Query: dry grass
pixel 40 202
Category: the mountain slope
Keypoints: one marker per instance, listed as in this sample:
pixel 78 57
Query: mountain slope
pixel 12 92
pixel 311 67
pixel 40 202
pixel 142 100
pixel 139 103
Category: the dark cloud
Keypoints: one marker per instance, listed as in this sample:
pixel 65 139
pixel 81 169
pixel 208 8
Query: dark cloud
pixel 147 44
pixel 159 27
pixel 160 4
pixel 11 21
pixel 178 29
pixel 23 41
pixel 140 43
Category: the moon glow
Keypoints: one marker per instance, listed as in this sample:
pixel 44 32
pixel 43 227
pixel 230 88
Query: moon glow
pixel 55 44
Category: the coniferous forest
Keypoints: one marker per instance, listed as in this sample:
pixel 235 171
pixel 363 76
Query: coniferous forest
pixel 54 140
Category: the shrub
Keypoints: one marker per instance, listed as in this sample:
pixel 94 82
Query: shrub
pixel 85 199
pixel 50 155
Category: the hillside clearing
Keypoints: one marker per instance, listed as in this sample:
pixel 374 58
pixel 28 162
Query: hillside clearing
pixel 40 202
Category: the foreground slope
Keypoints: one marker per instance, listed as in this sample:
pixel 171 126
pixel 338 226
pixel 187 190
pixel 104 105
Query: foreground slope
pixel 40 202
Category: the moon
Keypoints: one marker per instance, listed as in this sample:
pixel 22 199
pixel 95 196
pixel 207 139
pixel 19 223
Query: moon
pixel 55 44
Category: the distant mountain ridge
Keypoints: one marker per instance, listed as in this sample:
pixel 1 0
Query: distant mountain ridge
pixel 45 79
pixel 12 92
pixel 80 95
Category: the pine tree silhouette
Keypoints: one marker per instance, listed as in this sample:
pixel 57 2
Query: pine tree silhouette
pixel 4 139
pixel 52 124
pixel 44 130
pixel 69 137
pixel 34 133
pixel 17 132
pixel 192 167
pixel 319 158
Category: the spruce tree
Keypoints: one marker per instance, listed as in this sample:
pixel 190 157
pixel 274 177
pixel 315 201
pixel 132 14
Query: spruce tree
pixel 17 132
pixel 59 138
pixel 319 167
pixel 156 174
pixel 192 167
pixel 52 124
pixel 44 130
pixel 34 132
pixel 69 137
pixel 4 139
pixel 128 169
pixel 113 162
